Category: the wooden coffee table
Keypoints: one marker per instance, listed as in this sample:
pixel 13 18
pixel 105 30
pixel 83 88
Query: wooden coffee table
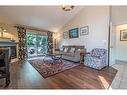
pixel 82 54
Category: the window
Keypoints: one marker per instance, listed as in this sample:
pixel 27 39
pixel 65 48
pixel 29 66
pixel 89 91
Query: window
pixel 36 44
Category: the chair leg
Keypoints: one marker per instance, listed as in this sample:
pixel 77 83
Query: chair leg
pixel 7 82
pixel 8 79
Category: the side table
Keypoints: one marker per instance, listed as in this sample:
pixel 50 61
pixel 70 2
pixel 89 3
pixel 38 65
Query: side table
pixel 82 54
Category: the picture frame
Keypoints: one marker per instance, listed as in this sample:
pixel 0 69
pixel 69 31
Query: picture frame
pixel 74 33
pixel 65 35
pixel 84 30
pixel 123 35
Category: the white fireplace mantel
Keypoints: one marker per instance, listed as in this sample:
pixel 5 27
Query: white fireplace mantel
pixel 9 44
pixel 4 43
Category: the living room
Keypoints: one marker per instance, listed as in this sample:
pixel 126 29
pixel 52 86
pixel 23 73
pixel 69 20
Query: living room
pixel 50 45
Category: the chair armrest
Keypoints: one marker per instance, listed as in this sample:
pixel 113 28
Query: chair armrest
pixel 87 54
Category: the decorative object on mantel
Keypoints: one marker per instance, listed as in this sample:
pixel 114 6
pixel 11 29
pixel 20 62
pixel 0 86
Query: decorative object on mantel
pixel 65 35
pixel 73 33
pixel 67 8
pixel 123 35
pixel 22 42
pixel 2 30
pixel 84 30
pixel 12 40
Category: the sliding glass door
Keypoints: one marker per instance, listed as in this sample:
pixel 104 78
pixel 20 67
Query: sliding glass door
pixel 41 44
pixel 31 45
pixel 36 44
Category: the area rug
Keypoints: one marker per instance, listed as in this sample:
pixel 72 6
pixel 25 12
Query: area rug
pixel 50 67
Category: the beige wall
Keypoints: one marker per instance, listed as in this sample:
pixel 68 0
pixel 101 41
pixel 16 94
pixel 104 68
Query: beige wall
pixel 121 46
pixel 11 31
pixel 119 20
pixel 97 18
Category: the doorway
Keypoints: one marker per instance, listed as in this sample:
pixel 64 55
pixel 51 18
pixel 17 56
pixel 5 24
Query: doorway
pixel 36 44
pixel 118 46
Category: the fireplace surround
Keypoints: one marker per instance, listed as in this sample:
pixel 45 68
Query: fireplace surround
pixel 12 46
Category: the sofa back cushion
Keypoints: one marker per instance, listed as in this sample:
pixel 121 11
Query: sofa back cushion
pixel 73 48
pixel 65 49
pixel 61 49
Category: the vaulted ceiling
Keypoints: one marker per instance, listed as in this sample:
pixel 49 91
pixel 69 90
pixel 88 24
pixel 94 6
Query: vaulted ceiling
pixel 50 18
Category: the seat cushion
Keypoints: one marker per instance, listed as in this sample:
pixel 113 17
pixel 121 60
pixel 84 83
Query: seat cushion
pixel 69 54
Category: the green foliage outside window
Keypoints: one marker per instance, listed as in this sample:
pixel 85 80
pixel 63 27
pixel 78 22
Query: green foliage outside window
pixel 31 39
pixel 36 39
pixel 36 43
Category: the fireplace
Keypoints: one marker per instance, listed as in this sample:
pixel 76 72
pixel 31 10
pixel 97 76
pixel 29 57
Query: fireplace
pixel 12 46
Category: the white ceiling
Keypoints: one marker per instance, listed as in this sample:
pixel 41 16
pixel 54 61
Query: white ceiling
pixel 50 18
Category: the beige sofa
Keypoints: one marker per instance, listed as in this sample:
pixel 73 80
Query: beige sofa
pixel 72 53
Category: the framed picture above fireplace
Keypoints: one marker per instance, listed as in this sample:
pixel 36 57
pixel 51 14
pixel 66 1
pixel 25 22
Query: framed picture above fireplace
pixel 73 33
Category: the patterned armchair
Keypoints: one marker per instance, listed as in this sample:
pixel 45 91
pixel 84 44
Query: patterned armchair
pixel 96 59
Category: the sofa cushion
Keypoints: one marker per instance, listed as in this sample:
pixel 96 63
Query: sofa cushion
pixel 63 53
pixel 69 54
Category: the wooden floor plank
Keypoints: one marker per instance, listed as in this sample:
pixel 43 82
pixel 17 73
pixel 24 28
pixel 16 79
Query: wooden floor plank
pixel 24 76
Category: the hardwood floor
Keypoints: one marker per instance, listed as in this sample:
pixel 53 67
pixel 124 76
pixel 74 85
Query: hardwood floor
pixel 24 76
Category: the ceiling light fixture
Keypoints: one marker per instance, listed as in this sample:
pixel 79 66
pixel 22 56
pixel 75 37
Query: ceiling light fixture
pixel 67 8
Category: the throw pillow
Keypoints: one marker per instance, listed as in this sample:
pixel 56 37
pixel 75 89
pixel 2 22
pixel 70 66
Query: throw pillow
pixel 72 50
pixel 66 49
pixel 61 49
pixel 78 50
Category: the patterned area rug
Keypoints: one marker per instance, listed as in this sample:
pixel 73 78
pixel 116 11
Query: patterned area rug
pixel 48 67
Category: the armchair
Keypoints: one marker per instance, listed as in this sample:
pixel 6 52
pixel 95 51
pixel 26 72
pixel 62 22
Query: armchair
pixel 96 59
